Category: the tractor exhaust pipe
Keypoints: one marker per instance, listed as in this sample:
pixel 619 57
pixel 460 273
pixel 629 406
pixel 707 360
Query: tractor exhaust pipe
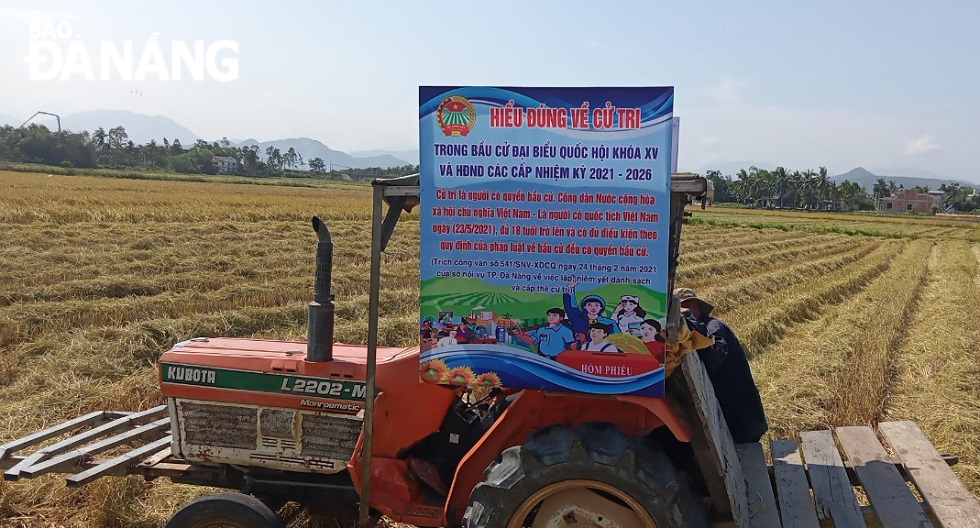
pixel 319 333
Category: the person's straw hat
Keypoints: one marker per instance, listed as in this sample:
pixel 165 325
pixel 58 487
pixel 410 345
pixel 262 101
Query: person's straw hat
pixel 686 294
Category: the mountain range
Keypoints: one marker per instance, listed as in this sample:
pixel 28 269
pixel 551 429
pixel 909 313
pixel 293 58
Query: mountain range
pixel 142 128
pixel 907 176
pixel 411 156
pixel 865 178
pixel 311 148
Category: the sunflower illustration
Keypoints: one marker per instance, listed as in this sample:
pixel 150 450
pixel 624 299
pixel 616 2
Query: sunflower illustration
pixel 461 376
pixel 489 380
pixel 435 371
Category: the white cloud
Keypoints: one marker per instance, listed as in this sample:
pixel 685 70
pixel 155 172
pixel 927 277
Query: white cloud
pixel 731 90
pixel 923 144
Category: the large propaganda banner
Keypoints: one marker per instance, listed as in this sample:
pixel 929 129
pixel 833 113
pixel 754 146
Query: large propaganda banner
pixel 544 236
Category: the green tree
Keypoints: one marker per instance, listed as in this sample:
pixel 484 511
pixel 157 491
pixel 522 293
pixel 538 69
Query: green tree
pixel 317 166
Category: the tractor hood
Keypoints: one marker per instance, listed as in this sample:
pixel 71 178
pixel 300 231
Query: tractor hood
pixel 276 373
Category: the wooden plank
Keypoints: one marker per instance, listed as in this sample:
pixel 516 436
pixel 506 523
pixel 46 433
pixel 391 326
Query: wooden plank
pixel 852 476
pixel 118 466
pixel 951 503
pixel 762 503
pixel 832 491
pixel 713 442
pixel 795 505
pixel 890 497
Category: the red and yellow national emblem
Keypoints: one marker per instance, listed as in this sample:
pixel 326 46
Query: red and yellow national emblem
pixel 456 116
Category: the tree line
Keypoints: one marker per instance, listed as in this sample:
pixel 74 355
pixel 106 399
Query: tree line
pixel 784 188
pixel 813 189
pixel 113 149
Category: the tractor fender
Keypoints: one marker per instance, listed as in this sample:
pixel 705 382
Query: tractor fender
pixel 531 410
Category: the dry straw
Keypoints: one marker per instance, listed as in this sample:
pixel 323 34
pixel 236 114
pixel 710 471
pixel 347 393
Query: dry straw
pixel 101 275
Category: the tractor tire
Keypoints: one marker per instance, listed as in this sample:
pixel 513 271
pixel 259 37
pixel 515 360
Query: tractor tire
pixel 590 476
pixel 225 510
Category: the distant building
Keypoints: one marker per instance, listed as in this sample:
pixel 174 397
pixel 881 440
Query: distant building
pixel 226 164
pixel 938 199
pixel 906 201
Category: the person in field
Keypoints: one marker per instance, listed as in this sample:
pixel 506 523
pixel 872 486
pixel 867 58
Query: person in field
pixel 728 369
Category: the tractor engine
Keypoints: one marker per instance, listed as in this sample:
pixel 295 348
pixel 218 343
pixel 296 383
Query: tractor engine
pixel 254 403
pixel 277 404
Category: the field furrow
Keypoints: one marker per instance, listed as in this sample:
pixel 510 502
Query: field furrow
pixel 760 259
pixel 937 364
pixel 770 319
pixel 728 295
pixel 841 368
pixel 699 242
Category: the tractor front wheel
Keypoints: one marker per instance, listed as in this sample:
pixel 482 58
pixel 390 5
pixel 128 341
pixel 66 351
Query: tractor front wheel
pixel 593 476
pixel 225 510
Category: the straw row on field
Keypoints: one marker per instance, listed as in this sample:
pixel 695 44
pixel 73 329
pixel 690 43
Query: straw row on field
pixel 699 242
pixel 30 198
pixel 723 248
pixel 728 294
pixel 937 363
pixel 864 224
pixel 767 320
pixel 760 259
pixel 889 221
pixel 838 372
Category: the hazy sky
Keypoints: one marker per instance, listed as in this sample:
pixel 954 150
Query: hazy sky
pixel 800 84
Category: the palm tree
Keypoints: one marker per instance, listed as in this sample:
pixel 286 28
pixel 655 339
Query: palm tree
pixel 822 183
pixel 880 189
pixel 100 137
pixel 767 181
pixel 782 179
pixel 743 187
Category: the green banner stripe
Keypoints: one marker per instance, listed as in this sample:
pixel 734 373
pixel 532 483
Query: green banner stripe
pixel 337 389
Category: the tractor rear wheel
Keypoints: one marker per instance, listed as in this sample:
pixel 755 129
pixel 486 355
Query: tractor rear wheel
pixel 225 510
pixel 592 476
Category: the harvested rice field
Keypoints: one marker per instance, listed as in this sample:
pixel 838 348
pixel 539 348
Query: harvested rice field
pixel 847 319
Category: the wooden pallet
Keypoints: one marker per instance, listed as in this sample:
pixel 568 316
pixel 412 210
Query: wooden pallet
pixel 811 485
